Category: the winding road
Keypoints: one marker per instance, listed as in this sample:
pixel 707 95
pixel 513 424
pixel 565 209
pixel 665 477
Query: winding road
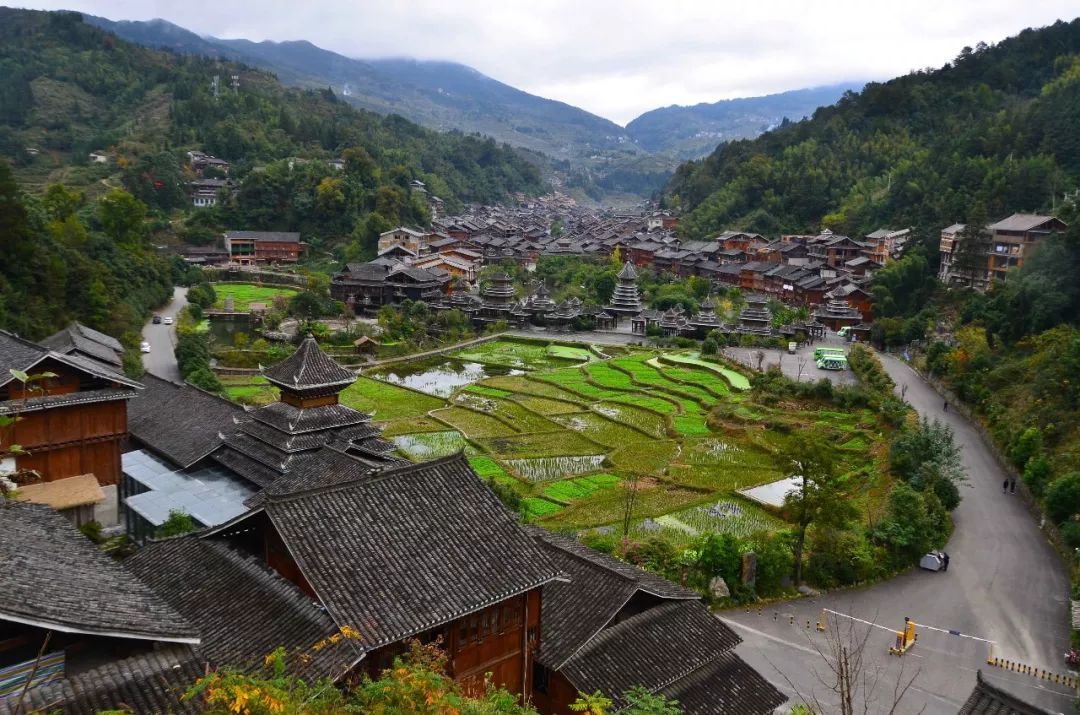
pixel 1005 583
pixel 161 361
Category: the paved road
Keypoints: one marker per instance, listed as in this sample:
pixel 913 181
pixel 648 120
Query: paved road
pixel 1004 583
pixel 160 360
pixel 800 366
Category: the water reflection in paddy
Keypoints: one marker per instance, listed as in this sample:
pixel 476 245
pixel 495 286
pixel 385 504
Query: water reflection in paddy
pixel 441 378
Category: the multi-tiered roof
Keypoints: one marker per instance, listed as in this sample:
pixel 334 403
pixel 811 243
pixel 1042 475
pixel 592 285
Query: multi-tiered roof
pixel 837 313
pixel 270 441
pixel 706 318
pixel 627 298
pixel 756 318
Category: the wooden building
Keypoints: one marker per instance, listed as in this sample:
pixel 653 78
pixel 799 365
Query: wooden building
pixel 610 626
pixel 253 247
pixel 422 552
pixel 70 424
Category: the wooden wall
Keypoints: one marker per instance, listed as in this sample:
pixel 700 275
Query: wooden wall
pixel 68 441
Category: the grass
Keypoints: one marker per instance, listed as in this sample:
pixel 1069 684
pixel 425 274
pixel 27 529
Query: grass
pixel 569 352
pixel 603 431
pixel 429 445
pixel 244 294
pixel 386 401
pixel 256 395
pixel 547 406
pixel 544 444
pixel 488 468
pixel 473 425
pixel 648 422
pixel 480 389
pixel 649 457
pixel 515 415
pixel 537 508
pixel 571 490
pixel 737 380
pixel 412 425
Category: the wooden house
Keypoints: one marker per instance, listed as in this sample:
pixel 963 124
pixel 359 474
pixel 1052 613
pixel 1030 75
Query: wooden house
pixel 70 424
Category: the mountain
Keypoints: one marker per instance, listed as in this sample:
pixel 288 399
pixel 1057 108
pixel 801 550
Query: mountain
pixel 439 95
pixel 992 132
pixel 693 132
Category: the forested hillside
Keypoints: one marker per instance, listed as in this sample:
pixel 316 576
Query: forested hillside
pixel 67 88
pixel 76 238
pixel 993 130
pixel 439 95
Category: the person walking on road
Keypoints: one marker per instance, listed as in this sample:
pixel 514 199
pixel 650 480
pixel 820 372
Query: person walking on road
pixel 946 408
pixel 1012 486
pixel 1005 486
pixel 944 561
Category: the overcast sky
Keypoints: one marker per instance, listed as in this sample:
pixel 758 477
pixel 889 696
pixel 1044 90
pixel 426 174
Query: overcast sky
pixel 618 58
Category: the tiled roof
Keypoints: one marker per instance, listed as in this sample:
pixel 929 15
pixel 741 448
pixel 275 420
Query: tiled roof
pixel 55 577
pixel 327 467
pixel 94 344
pixel 652 649
pixel 66 399
pixel 309 367
pixel 19 354
pixel 403 551
pixel 1020 222
pixel 726 686
pixel 152 682
pixel 987 699
pixel 242 609
pixel 628 273
pixel 294 420
pixel 276 236
pixel 599 587
pixel 179 422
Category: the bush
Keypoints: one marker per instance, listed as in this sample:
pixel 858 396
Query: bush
pixel 839 558
pixel 1037 474
pixel 1070 532
pixel 205 378
pixel 178 523
pixel 709 347
pixel 1062 500
pixel 1028 444
pixel 510 498
pixel 202 295
pixel 604 543
pixel 910 528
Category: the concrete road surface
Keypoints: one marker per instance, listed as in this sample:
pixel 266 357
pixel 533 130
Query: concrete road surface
pixel 161 361
pixel 1005 583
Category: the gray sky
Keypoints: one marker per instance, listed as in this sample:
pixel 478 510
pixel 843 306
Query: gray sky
pixel 618 58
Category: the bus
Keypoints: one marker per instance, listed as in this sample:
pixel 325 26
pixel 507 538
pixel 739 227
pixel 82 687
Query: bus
pixel 822 352
pixel 832 362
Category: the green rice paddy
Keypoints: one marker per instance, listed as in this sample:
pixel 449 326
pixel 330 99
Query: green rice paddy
pixel 244 294
pixel 569 431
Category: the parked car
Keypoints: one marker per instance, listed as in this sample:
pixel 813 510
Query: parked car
pixel 156 320
pixel 145 347
pixel 168 320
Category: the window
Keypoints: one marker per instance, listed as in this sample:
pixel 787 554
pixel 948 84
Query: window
pixel 541 678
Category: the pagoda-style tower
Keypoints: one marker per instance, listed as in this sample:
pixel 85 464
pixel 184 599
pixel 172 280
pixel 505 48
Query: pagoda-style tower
pixel 706 319
pixel 269 441
pixel 756 318
pixel 497 299
pixel 626 301
pixel 837 313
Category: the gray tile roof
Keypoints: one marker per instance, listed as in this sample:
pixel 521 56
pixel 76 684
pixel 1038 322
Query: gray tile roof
pixel 151 682
pixel 395 553
pixel 67 399
pixel 309 368
pixel 294 420
pixel 91 343
pixel 55 577
pixel 599 587
pixel 727 686
pixel 987 699
pixel 652 649
pixel 17 354
pixel 179 422
pixel 276 236
pixel 242 609
pixel 1022 222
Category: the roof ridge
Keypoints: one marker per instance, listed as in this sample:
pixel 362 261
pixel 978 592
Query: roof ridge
pixel 378 475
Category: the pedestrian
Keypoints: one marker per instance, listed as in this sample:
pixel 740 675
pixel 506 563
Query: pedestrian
pixel 944 561
pixel 1005 486
pixel 1012 486
pixel 946 405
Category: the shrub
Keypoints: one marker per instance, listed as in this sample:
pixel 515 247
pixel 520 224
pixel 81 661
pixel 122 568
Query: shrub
pixel 1028 444
pixel 604 543
pixel 204 377
pixel 1070 532
pixel 178 523
pixel 840 557
pixel 709 347
pixel 1037 474
pixel 202 295
pixel 510 498
pixel 1062 500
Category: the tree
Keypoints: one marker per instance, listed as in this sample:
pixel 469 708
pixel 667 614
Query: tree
pixel 973 246
pixel 820 498
pixel 1063 498
pixel 122 216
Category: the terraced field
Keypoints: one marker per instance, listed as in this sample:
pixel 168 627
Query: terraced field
pixel 569 430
